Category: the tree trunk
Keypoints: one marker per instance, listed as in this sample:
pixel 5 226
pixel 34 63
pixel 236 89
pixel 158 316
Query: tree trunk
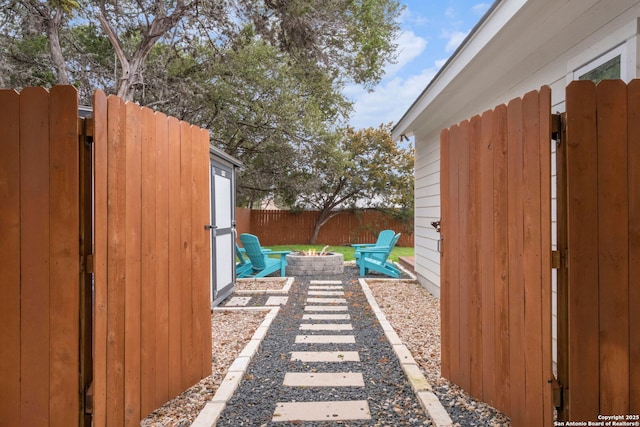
pixel 53 33
pixel 323 217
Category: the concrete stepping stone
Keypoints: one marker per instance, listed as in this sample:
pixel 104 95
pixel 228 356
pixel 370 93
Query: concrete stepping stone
pixel 325 282
pixel 326 288
pixel 326 308
pixel 325 356
pixel 277 300
pixel 326 293
pixel 322 411
pixel 323 379
pixel 326 317
pixel 325 339
pixel 326 327
pixel 238 302
pixel 327 300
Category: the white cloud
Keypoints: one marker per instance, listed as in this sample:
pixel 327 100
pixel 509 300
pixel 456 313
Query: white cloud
pixel 454 40
pixel 389 101
pixel 410 46
pixel 450 12
pixel 480 8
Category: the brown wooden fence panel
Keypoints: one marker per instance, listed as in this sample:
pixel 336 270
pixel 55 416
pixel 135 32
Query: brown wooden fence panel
pixel 276 227
pixel 496 264
pixel 152 260
pixel 633 99
pixel 39 262
pixel 603 240
pixel 10 256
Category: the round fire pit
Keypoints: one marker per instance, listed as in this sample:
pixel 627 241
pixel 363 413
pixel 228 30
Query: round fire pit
pixel 329 263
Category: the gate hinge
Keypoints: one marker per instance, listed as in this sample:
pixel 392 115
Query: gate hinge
pixel 88 399
pixel 557 127
pixel 87 263
pixel 557 390
pixel 559 259
pixel 85 129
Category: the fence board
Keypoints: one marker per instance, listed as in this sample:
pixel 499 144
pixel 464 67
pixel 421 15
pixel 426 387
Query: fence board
pixel 532 246
pixel 546 292
pixel 633 97
pixel 162 259
pixel 613 246
pixel 100 316
pixel 10 256
pixel 132 267
pixel 35 243
pixel 175 295
pixel 64 280
pixel 475 292
pixel 148 267
pixel 486 254
pixel 465 258
pixel 516 253
pixel 186 253
pixel 197 195
pixel 116 273
pixel 501 262
pixel 583 299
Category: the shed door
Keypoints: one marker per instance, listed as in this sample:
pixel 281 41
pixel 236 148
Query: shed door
pixel 222 219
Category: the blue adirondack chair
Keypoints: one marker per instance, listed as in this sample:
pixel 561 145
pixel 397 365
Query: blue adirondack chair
pixel 243 266
pixel 375 258
pixel 261 263
pixel 384 239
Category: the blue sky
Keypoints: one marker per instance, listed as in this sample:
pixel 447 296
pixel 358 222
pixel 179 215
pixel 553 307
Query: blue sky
pixel 431 31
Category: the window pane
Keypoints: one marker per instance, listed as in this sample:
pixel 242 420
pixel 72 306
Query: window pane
pixel 608 71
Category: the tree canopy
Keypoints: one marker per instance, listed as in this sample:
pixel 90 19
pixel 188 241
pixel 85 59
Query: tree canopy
pixel 265 76
pixel 355 168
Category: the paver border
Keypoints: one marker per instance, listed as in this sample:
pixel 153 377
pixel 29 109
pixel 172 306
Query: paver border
pixel 208 416
pixel 284 290
pixel 419 384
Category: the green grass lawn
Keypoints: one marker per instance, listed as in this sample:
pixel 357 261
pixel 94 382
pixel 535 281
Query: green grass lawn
pixel 346 251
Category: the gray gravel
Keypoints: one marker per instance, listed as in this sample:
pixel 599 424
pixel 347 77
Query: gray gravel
pixel 391 400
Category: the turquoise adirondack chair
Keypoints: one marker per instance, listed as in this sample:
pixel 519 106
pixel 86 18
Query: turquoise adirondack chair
pixel 243 266
pixel 384 239
pixel 375 258
pixel 261 263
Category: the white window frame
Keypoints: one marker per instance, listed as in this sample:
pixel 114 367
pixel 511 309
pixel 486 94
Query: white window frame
pixel 620 51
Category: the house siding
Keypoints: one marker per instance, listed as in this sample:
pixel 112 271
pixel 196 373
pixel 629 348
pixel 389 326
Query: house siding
pixel 427 210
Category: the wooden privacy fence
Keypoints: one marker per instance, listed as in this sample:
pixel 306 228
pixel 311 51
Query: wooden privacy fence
pixel 497 256
pixel 39 258
pixel 150 261
pixel 599 338
pixel 496 263
pixel 276 227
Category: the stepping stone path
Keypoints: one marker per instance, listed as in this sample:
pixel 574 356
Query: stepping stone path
pixel 321 358
pixel 324 410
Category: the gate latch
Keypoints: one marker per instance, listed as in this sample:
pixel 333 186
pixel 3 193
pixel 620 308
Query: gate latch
pixel 436 225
